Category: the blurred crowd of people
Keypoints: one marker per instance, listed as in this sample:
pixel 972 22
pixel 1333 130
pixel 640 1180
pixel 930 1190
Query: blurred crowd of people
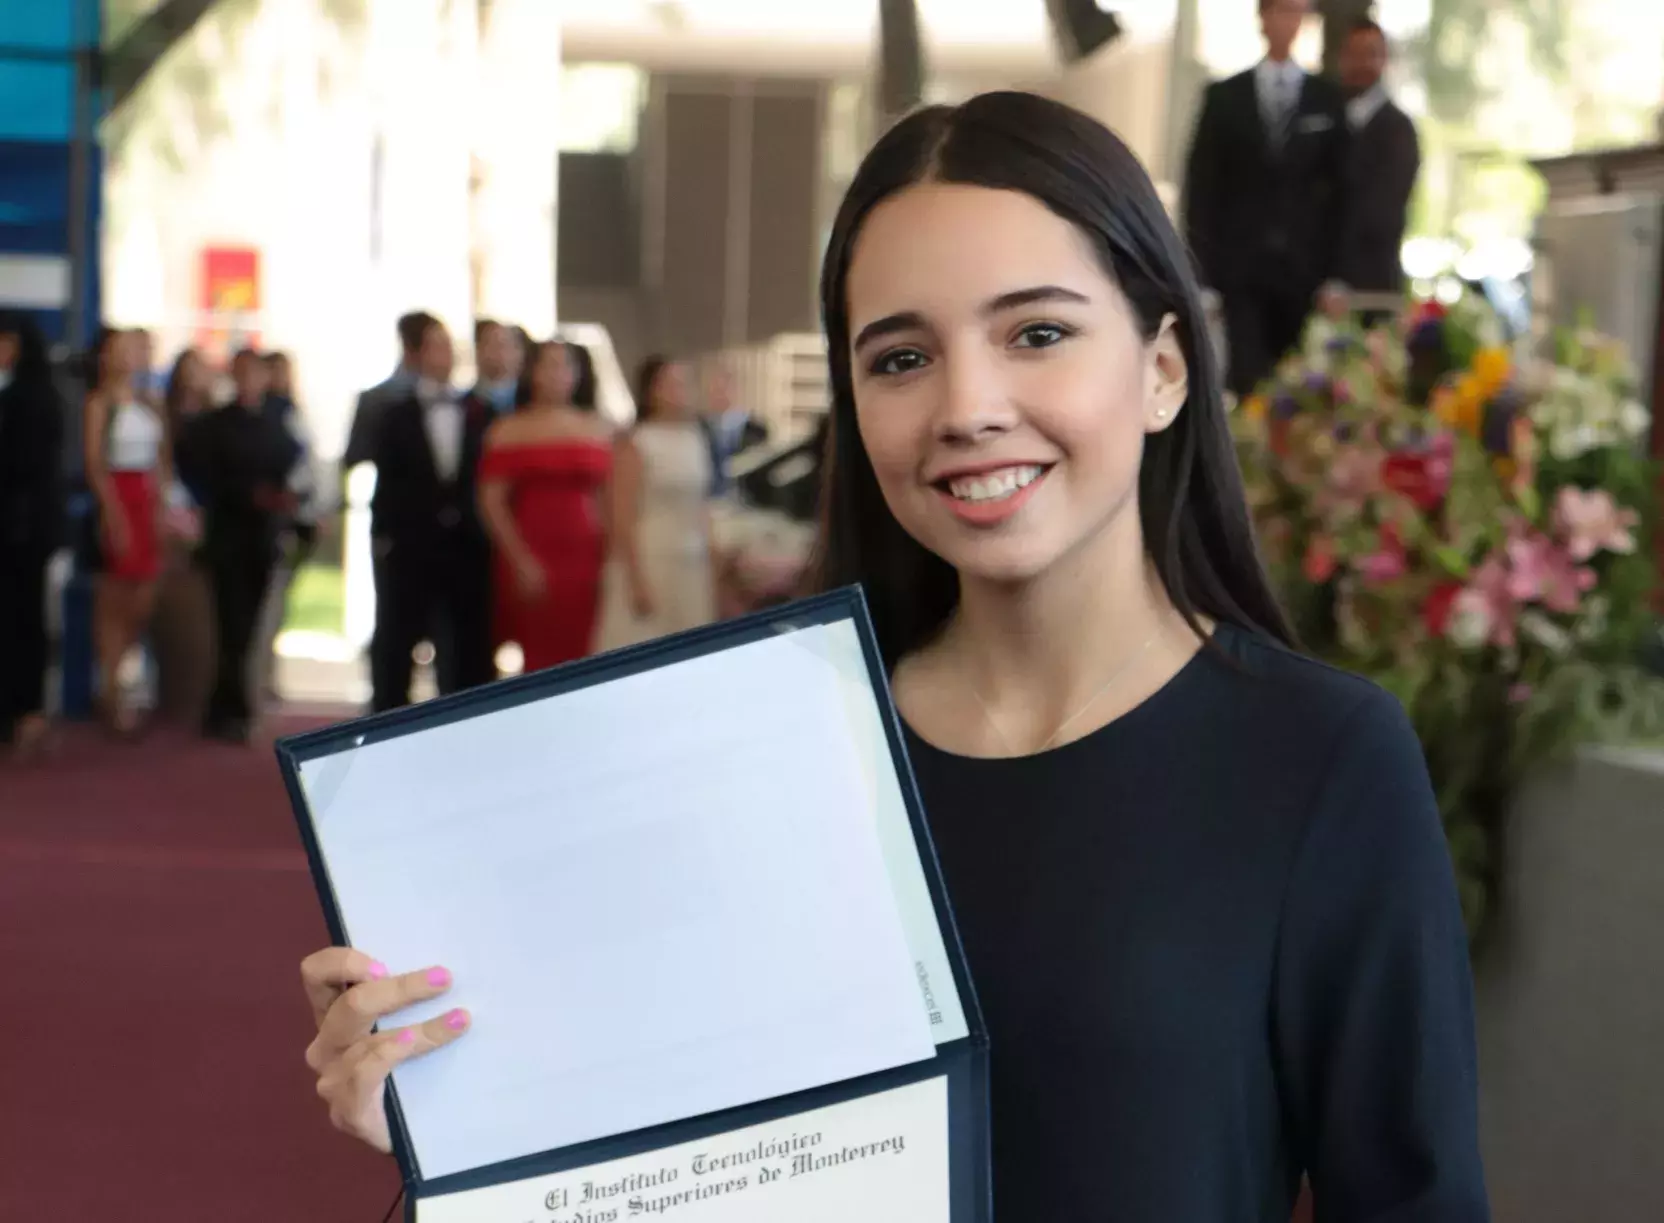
pixel 515 512
pixel 1297 189
pixel 509 512
pixel 201 498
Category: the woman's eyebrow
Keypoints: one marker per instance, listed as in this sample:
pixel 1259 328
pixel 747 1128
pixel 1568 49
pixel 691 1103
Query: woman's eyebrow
pixel 912 320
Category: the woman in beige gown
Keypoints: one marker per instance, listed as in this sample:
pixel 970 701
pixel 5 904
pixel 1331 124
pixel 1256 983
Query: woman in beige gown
pixel 660 573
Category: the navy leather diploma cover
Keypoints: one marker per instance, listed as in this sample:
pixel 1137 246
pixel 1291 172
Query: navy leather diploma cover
pixel 687 894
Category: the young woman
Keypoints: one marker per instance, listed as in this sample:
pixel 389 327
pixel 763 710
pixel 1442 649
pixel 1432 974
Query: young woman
pixel 129 466
pixel 664 577
pixel 543 475
pixel 1200 880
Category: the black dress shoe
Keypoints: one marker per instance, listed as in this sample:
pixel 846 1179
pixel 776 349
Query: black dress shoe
pixel 226 731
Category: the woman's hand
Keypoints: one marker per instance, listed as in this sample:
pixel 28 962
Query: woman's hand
pixel 530 580
pixel 117 532
pixel 349 992
pixel 641 598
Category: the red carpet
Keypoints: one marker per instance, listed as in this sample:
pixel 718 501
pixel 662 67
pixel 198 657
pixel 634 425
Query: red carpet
pixel 154 907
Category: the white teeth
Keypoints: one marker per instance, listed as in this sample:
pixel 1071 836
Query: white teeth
pixel 993 485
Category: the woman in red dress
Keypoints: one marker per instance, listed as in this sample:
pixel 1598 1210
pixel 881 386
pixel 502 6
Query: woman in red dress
pixel 544 480
pixel 128 469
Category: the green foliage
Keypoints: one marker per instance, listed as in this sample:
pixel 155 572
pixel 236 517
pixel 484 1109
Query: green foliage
pixel 180 108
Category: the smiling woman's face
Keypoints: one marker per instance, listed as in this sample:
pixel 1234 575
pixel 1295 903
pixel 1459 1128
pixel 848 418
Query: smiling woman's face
pixel 1002 386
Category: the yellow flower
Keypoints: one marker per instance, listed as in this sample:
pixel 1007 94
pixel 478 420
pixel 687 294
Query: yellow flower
pixel 1491 370
pixel 1255 407
pixel 1462 406
pixel 1470 412
pixel 1445 405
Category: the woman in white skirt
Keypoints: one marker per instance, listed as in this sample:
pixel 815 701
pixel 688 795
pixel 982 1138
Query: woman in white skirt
pixel 661 570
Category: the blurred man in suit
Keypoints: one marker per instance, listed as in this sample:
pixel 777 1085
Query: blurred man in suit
pixel 729 428
pixel 432 561
pixel 1265 196
pixel 372 404
pixel 1383 161
pixel 497 357
pixel 239 457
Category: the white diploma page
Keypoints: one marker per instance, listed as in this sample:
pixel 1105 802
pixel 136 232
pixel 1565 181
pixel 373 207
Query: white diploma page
pixel 880 1159
pixel 659 896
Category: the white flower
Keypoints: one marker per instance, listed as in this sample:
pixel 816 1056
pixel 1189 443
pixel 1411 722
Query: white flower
pixel 1318 334
pixel 1593 624
pixel 1633 418
pixel 1470 620
pixel 1545 632
pixel 1568 441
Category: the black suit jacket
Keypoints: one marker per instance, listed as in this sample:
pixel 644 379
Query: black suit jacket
pixel 31 468
pixel 366 418
pixel 226 456
pixel 413 506
pixel 1383 160
pixel 1258 217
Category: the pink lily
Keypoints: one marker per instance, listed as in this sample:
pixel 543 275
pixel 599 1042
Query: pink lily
pixel 1542 571
pixel 1591 522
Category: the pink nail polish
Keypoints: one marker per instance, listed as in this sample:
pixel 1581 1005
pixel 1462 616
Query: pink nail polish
pixel 378 970
pixel 407 1036
pixel 439 978
pixel 456 1020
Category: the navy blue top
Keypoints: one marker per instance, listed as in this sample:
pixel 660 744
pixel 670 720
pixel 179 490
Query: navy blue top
pixel 1218 944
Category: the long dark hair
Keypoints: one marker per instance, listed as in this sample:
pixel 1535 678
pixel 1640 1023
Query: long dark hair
pixel 528 366
pixel 583 376
pixel 33 367
pixel 647 376
pixel 173 398
pixel 107 335
pixel 1190 498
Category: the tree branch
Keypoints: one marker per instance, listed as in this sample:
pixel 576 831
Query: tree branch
pixel 130 61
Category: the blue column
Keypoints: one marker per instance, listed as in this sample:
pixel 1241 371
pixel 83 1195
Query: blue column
pixel 50 196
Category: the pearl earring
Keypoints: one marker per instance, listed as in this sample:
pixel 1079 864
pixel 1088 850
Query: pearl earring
pixel 1161 413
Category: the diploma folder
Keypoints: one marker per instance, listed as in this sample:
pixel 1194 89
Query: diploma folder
pixel 688 896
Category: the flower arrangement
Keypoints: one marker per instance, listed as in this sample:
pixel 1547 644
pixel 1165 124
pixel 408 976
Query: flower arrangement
pixel 1467 524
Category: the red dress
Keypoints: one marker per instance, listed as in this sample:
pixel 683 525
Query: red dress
pixel 554 495
pixel 132 450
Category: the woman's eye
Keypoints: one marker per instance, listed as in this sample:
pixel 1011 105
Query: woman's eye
pixel 1042 335
pixel 897 361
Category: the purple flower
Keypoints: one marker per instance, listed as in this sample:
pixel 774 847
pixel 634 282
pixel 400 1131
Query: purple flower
pixel 1428 336
pixel 1496 429
pixel 1283 406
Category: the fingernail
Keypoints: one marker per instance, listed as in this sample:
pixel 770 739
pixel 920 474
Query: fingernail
pixel 439 978
pixel 378 970
pixel 407 1036
pixel 456 1020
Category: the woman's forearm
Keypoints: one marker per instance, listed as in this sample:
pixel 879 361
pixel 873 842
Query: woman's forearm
pixel 623 506
pixel 499 523
pixel 94 468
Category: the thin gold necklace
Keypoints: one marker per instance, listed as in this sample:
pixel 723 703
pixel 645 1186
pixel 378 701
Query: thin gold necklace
pixel 1069 721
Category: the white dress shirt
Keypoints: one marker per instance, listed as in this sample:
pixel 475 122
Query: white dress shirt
pixel 1361 109
pixel 1278 85
pixel 443 416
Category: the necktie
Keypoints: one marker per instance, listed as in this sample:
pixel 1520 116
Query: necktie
pixel 1286 99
